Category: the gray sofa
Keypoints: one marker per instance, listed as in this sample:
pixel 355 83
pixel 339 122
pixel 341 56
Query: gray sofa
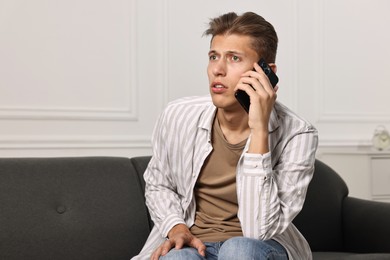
pixel 93 208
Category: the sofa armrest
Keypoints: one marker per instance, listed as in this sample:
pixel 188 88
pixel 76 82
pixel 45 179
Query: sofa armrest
pixel 366 226
pixel 140 164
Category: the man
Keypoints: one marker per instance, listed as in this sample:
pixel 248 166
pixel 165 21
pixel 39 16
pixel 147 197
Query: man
pixel 223 183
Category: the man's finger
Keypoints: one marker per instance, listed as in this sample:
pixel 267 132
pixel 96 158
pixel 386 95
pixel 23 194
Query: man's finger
pixel 166 246
pixel 198 244
pixel 156 254
pixel 179 243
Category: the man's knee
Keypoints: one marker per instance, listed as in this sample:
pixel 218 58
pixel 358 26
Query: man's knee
pixel 233 248
pixel 184 253
pixel 247 248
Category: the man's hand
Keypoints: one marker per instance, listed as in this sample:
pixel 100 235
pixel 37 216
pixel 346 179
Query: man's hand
pixel 262 97
pixel 179 236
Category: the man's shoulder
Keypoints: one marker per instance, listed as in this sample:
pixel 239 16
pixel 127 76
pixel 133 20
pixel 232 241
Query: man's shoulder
pixel 194 104
pixel 287 116
pixel 189 109
pixel 191 101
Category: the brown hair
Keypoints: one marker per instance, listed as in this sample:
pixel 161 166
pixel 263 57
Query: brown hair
pixel 265 39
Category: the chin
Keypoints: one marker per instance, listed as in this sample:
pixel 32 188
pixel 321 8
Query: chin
pixel 224 103
pixel 218 100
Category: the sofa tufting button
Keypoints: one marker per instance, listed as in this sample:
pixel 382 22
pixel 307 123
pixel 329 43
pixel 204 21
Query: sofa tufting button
pixel 61 209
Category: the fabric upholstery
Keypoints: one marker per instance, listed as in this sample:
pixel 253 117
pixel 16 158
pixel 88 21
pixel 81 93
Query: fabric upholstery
pixel 348 256
pixel 94 208
pixel 322 211
pixel 366 226
pixel 140 164
pixel 70 208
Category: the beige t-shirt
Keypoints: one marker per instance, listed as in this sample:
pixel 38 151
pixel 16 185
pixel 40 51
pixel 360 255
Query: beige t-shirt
pixel 215 191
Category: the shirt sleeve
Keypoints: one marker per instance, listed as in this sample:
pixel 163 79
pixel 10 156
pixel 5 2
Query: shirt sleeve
pixel 270 197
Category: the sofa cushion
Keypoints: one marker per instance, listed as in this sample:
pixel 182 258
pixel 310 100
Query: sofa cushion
pixel 371 236
pixel 348 256
pixel 71 208
pixel 320 220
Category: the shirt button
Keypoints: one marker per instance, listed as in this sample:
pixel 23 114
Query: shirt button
pixel 61 209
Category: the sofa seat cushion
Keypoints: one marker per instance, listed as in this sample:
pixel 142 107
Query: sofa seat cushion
pixel 348 256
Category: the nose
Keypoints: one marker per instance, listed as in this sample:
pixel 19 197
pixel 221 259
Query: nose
pixel 219 68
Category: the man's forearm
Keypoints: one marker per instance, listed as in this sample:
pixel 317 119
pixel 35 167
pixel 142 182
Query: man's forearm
pixel 259 143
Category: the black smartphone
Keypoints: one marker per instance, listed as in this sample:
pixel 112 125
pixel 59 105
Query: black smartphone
pixel 243 97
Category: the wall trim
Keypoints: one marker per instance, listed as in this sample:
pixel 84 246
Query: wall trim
pixel 354 118
pixel 127 114
pixel 338 142
pixel 73 142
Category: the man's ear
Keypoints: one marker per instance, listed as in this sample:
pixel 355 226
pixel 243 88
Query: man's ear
pixel 273 67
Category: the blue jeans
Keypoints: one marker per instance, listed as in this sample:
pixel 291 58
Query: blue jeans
pixel 236 248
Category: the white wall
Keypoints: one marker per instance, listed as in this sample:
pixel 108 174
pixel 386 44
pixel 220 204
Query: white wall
pixel 89 77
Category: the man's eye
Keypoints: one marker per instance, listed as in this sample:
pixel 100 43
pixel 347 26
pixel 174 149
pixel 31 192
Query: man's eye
pixel 212 57
pixel 235 58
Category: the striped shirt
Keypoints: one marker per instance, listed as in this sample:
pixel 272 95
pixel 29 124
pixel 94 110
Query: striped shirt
pixel 271 188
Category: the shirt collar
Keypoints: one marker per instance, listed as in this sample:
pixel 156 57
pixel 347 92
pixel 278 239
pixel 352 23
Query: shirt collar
pixel 207 117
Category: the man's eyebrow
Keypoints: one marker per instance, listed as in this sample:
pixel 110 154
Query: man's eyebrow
pixel 232 52
pixel 212 52
pixel 235 53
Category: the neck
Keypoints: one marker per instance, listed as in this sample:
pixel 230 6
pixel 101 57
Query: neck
pixel 234 125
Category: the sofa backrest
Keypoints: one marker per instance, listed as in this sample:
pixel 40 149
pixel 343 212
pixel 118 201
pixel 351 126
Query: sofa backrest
pixel 320 220
pixel 71 208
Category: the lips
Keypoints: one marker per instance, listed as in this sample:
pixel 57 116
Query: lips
pixel 218 88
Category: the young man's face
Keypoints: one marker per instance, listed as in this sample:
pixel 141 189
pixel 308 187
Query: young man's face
pixel 229 57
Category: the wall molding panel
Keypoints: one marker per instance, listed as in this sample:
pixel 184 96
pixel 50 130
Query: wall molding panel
pixel 359 113
pixel 342 119
pixel 98 114
pixel 128 111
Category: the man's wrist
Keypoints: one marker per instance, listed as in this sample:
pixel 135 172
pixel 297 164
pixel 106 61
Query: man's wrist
pixel 259 142
pixel 177 228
